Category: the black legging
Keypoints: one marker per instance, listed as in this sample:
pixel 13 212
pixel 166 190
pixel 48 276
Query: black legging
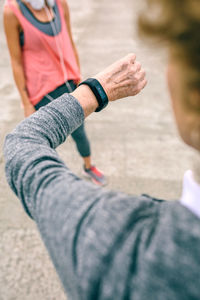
pixel 79 135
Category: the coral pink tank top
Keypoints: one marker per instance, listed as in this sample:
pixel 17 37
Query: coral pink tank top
pixel 41 60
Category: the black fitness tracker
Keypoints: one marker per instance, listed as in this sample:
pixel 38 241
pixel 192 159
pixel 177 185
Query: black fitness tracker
pixel 98 91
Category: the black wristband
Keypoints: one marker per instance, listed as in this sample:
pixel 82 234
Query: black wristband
pixel 98 91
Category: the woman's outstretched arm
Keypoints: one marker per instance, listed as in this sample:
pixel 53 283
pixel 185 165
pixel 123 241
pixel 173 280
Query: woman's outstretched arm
pixel 79 222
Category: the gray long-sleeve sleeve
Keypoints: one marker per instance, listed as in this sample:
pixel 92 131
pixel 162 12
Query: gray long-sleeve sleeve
pixel 104 244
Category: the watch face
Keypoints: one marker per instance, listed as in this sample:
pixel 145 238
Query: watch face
pixel 98 91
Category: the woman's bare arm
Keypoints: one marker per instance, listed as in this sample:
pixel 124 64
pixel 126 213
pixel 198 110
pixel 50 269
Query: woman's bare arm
pixel 12 29
pixel 68 24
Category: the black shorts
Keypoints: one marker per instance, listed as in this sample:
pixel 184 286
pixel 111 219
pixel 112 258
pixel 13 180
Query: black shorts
pixel 60 90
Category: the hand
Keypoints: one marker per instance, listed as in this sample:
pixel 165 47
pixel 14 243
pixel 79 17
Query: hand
pixel 123 78
pixel 29 109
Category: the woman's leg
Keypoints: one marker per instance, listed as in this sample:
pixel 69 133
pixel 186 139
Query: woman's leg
pixel 82 144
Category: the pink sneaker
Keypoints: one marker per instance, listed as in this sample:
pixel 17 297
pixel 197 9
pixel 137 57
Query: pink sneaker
pixel 95 175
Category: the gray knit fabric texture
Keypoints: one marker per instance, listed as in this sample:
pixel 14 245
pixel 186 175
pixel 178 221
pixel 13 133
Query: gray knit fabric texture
pixel 104 244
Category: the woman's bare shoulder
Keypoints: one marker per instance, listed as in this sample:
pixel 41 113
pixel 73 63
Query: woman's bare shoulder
pixel 9 14
pixel 64 5
pixel 12 2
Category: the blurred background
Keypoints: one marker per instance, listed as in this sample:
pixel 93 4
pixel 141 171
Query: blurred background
pixel 134 141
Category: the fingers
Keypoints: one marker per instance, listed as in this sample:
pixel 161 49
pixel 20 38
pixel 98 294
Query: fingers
pixel 138 74
pixel 137 66
pixel 131 57
pixel 134 76
pixel 141 75
pixel 142 84
pixel 138 79
pixel 142 81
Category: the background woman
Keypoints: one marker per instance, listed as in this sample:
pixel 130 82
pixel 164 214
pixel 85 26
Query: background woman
pixel 45 61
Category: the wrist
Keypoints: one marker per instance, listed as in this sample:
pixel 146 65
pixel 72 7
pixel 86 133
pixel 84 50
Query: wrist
pixel 25 99
pixel 27 104
pixel 86 98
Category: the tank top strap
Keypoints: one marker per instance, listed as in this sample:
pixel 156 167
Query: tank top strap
pixel 60 11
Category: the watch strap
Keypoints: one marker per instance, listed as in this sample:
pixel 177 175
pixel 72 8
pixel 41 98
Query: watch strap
pixel 98 91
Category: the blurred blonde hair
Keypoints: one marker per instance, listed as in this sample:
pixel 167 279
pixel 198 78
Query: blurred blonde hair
pixel 177 22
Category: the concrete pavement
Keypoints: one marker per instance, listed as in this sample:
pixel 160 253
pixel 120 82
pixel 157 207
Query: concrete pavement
pixel 134 141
